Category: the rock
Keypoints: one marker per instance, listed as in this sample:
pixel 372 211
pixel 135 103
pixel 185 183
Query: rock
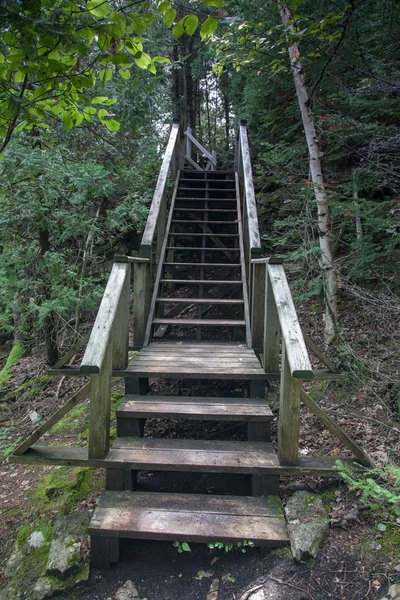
pixel 36 539
pixel 394 592
pixel 47 588
pixel 14 562
pixel 308 525
pixel 213 592
pixel 64 557
pixel 74 524
pixel 127 592
pixel 44 588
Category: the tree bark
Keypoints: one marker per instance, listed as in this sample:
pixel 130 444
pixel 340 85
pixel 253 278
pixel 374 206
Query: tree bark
pixel 327 263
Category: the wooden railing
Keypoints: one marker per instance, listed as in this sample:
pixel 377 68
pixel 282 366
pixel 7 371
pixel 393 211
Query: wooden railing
pixel 251 233
pixel 108 345
pixel 274 318
pixel 210 156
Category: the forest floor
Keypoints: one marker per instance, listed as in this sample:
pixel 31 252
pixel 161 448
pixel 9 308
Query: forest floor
pixel 359 559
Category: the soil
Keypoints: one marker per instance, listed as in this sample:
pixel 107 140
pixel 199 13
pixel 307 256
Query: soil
pixel 355 562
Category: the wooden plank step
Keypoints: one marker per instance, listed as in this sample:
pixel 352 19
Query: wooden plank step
pixel 193 221
pixel 211 210
pixel 186 198
pixel 194 408
pixel 192 300
pixel 207 189
pixel 202 180
pixel 320 466
pixel 201 264
pixel 205 456
pixel 201 322
pixel 215 235
pixel 201 281
pixel 203 249
pixel 188 517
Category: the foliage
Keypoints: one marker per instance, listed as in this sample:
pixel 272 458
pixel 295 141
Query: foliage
pixel 242 546
pixel 16 353
pixel 182 547
pixel 379 489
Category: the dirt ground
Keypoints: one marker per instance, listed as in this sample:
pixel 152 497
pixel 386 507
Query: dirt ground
pixel 355 563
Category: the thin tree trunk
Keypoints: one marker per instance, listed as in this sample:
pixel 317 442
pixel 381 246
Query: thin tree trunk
pixel 50 320
pixel 328 270
pixel 359 231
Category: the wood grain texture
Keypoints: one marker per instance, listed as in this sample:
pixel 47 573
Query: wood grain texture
pixel 151 223
pixel 141 301
pixel 297 355
pixel 272 330
pixel 99 410
pixel 96 349
pixel 190 518
pixel 251 206
pixel 289 414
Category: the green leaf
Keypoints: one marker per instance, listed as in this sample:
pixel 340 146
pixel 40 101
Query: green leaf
pixel 1 156
pixel 142 60
pixel 102 113
pixel 151 67
pixel 163 7
pixel 134 45
pixel 105 75
pixel 216 3
pixel 117 24
pixel 67 118
pixel 20 127
pixel 161 59
pixel 125 73
pixel 87 33
pixel 190 24
pixel 208 27
pixel 112 125
pixel 98 8
pixel 186 547
pixel 19 77
pixel 169 17
pixel 120 59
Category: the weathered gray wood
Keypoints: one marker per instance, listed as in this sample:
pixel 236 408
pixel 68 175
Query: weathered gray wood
pixel 121 479
pixel 320 466
pixel 318 352
pixel 151 224
pixel 195 408
pixel 257 308
pixel 251 206
pixel 100 406
pixel 200 147
pixel 141 301
pixel 161 224
pixel 214 164
pixel 297 355
pixel 120 328
pixel 68 355
pixel 153 302
pixel 243 265
pixel 100 553
pixel 193 163
pixel 94 356
pixel 188 142
pixel 121 258
pixel 61 412
pixel 289 414
pixel 322 375
pixel 272 330
pixel 258 431
pixel 202 322
pixel 188 517
pixel 337 431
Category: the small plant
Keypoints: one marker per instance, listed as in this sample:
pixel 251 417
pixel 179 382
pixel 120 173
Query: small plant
pixel 380 489
pixel 182 547
pixel 242 546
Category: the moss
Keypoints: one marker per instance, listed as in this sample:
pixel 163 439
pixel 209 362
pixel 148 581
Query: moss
pixel 116 401
pixel 282 552
pixel 71 421
pixel 32 387
pixel 113 434
pixel 390 541
pixel 15 355
pixel 64 487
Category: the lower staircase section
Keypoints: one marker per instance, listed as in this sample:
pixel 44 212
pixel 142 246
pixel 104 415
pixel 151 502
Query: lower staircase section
pixel 183 517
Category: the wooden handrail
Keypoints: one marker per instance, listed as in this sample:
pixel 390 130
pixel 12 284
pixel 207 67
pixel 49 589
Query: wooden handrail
pixel 212 158
pixel 152 219
pixel 99 341
pixel 251 206
pixel 295 346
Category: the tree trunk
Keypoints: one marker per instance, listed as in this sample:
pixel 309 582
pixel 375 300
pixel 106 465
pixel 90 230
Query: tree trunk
pixel 50 320
pixel 328 270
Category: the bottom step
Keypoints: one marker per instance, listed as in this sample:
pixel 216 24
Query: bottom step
pixel 183 517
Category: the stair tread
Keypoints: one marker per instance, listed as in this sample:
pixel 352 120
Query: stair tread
pixel 193 300
pixel 189 517
pixel 201 249
pixel 201 281
pixel 193 221
pixel 218 235
pixel 202 264
pixel 211 456
pixel 217 210
pixel 202 322
pixel 195 407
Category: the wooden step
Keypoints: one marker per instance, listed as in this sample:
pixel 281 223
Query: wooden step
pixel 211 210
pixel 201 281
pixel 200 264
pixel 192 300
pixel 202 180
pixel 178 234
pixel 184 517
pixel 193 221
pixel 195 408
pixel 202 249
pixel 205 456
pixel 180 198
pixel 201 322
pixel 208 189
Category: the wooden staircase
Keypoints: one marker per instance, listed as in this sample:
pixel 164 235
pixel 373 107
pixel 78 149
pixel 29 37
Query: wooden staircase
pixel 206 307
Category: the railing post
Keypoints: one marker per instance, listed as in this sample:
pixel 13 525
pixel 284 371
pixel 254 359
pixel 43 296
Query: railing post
pixel 272 329
pixel 141 300
pixel 214 155
pixel 120 330
pixel 161 223
pixel 257 303
pixel 189 143
pixel 100 406
pixel 289 414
